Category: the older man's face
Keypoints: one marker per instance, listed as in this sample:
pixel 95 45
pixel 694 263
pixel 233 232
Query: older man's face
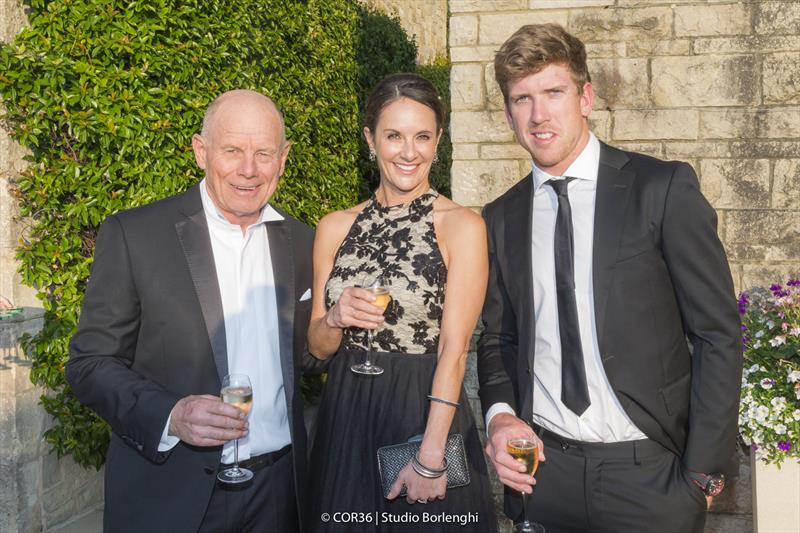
pixel 243 155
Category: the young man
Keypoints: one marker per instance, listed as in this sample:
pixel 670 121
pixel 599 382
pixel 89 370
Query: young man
pixel 610 324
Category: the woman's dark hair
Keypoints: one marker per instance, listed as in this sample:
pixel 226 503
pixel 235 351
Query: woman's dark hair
pixel 397 86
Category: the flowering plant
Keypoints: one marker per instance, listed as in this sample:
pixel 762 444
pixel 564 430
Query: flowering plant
pixel 769 410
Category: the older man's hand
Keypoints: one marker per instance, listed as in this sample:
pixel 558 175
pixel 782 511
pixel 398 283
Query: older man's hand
pixel 206 421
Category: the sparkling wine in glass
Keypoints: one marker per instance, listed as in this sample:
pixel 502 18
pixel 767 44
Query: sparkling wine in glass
pixel 526 452
pixel 236 391
pixel 380 287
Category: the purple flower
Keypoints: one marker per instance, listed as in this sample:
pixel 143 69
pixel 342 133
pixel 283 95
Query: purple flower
pixel 754 446
pixel 793 282
pixel 785 445
pixel 775 287
pixel 742 303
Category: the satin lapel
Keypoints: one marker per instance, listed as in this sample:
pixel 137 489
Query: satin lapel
pixel 613 192
pixel 196 244
pixel 517 240
pixel 280 251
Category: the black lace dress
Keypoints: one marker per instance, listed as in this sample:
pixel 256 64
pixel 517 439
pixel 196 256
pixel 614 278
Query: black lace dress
pixel 358 414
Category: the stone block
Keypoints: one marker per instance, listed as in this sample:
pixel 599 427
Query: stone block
pixel 465 151
pixel 494 96
pixel 504 151
pixel 479 126
pixel 465 86
pixel 425 21
pixel 735 183
pixel 621 24
pixel 605 50
pixel 495 28
pixel 705 81
pixel 476 183
pixel 692 150
pixel 652 124
pixel 600 123
pixel 31 424
pixel 781 252
pixel 732 45
pixel 760 275
pixel 786 184
pixel 780 123
pixel 781 78
pixel 470 6
pixel 647 3
pixel 728 123
pixel 470 54
pixel 463 30
pixel 648 48
pixel 563 4
pixel 27 480
pixel 619 83
pixel 651 149
pixel 12 20
pixel 762 226
pixel 770 149
pixel 775 18
pixel 705 20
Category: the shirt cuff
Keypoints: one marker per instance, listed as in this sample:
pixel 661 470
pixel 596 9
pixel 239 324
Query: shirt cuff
pixel 167 441
pixel 496 409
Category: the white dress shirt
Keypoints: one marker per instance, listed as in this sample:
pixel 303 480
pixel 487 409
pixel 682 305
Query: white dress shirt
pixel 604 420
pixel 249 306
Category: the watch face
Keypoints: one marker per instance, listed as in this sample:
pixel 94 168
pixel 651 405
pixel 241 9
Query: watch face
pixel 715 485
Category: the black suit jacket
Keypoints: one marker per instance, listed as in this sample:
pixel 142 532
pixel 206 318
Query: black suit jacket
pixel 660 277
pixel 151 332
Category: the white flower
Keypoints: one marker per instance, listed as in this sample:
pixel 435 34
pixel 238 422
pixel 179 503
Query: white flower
pixel 795 332
pixel 766 384
pixel 777 341
pixel 759 333
pixel 780 429
pixel 752 368
pixel 762 412
pixel 746 440
pixel 796 415
pixel 770 324
pixel 794 375
pixel 757 345
pixel 779 402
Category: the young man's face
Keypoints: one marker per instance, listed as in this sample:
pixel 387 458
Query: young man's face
pixel 548 116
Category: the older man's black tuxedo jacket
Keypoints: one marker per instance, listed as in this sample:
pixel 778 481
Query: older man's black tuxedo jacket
pixel 151 332
pixel 660 277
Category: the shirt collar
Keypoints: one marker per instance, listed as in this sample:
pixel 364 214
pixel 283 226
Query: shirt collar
pixel 584 167
pixel 268 213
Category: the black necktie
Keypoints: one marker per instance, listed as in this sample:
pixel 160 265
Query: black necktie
pixel 574 391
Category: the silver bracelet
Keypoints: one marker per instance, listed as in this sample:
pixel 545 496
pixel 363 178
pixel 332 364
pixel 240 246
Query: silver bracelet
pixel 430 473
pixel 433 398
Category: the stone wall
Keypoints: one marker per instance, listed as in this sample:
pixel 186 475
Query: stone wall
pixel 715 83
pixel 425 20
pixel 39 491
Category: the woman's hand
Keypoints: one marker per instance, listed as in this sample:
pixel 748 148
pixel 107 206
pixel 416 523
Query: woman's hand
pixel 419 489
pixel 355 309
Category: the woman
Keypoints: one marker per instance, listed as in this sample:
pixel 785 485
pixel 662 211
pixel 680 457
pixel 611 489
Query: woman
pixel 434 253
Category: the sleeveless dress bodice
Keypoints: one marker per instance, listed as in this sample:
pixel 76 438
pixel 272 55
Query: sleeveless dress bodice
pixel 400 243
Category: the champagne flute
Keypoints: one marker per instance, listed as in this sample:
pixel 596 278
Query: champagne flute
pixel 380 287
pixel 236 391
pixel 526 452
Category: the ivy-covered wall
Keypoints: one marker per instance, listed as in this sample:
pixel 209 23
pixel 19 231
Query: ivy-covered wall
pixel 106 97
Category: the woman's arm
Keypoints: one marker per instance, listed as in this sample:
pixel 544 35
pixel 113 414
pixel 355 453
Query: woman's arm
pixel 462 238
pixel 353 308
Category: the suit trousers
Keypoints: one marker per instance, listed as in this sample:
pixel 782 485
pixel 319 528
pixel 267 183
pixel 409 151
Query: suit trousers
pixel 618 487
pixel 266 503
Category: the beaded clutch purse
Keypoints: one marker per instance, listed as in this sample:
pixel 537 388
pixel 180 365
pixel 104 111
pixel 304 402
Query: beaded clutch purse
pixel 392 459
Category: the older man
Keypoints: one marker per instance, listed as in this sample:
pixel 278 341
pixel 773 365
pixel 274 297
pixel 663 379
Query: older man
pixel 210 282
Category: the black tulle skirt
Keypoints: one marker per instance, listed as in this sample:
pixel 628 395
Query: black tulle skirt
pixel 359 414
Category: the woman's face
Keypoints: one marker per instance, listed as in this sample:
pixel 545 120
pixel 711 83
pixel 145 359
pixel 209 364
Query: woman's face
pixel 404 141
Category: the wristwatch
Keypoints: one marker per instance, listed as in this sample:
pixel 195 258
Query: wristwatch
pixel 710 484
